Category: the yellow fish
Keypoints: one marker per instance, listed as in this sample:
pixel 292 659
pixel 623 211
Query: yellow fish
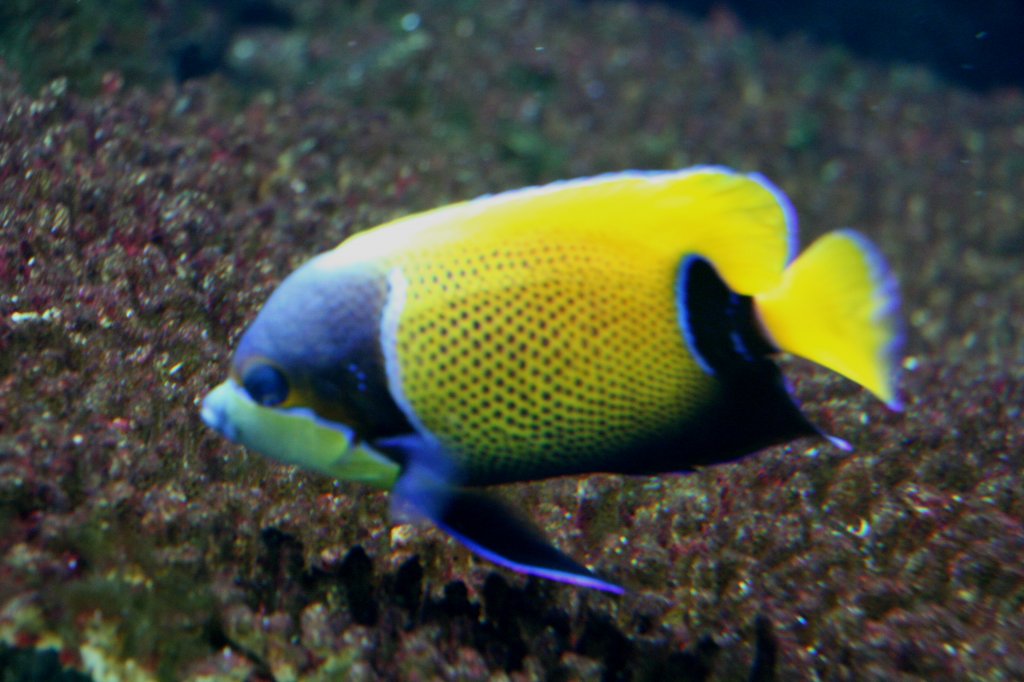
pixel 621 323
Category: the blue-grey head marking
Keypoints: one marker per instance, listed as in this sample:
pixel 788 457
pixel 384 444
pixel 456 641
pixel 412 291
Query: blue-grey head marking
pixel 321 329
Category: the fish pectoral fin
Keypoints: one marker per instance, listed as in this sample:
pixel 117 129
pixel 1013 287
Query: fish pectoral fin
pixel 490 529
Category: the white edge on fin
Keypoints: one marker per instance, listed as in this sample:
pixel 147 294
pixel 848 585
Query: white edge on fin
pixel 792 223
pixel 789 211
pixel 681 314
pixel 591 581
pixel 887 283
pixel 843 445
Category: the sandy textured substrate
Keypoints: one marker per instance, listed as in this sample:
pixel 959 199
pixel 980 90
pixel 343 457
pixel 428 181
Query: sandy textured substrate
pixel 141 229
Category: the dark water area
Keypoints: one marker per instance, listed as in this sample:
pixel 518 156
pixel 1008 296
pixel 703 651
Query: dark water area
pixel 163 167
pixel 973 44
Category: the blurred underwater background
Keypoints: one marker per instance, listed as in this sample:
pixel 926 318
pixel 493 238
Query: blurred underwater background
pixel 164 164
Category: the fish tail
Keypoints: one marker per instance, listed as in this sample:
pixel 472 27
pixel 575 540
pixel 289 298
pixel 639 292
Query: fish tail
pixel 837 306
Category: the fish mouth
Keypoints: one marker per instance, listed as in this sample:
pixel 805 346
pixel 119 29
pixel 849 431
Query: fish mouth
pixel 214 411
pixel 295 436
pixel 228 410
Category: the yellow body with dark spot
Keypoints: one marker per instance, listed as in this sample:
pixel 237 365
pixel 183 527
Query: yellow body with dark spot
pixel 516 369
pixel 544 340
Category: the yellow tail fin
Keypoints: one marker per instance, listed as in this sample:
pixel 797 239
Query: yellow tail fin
pixel 837 306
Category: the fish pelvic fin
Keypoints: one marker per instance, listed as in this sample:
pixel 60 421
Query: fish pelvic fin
pixel 489 529
pixel 837 306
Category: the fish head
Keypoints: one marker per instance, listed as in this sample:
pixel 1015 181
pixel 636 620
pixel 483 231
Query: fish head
pixel 300 378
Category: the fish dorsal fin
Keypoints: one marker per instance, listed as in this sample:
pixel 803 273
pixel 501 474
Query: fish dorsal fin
pixel 741 223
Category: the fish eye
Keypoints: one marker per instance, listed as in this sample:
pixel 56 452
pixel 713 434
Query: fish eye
pixel 266 385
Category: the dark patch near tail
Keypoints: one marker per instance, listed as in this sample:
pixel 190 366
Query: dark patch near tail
pixel 753 409
pixel 718 324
